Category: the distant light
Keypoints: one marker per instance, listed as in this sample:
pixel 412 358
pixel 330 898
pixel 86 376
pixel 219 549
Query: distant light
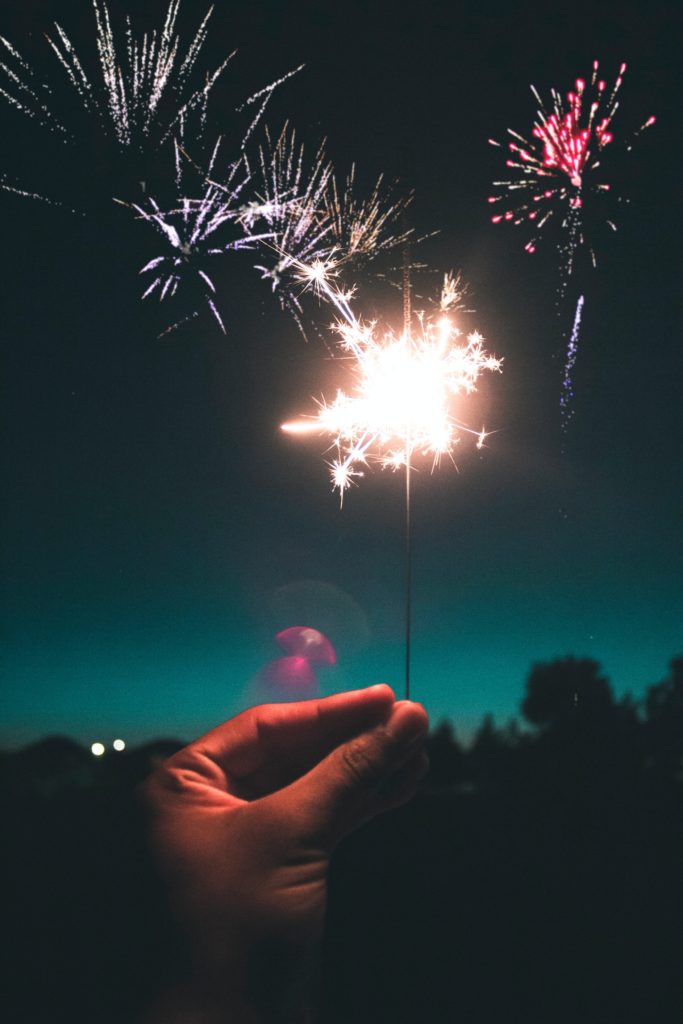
pixel 97 749
pixel 119 745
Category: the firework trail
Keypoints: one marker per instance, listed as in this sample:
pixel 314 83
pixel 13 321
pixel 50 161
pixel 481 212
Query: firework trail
pixel 557 176
pixel 567 395
pixel 401 403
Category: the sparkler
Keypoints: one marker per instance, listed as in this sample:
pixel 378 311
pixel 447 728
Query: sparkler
pixel 556 175
pixel 400 405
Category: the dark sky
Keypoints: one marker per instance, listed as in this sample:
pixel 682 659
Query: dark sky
pixel 158 529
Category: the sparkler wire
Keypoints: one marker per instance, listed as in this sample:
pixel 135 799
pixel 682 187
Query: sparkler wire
pixel 409 574
pixel 409 547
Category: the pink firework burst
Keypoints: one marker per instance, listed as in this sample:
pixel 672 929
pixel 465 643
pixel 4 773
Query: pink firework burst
pixel 556 170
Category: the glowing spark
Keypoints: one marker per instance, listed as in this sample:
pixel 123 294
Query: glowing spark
pixel 401 403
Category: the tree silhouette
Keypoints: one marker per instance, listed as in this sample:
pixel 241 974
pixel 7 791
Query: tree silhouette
pixel 664 714
pixel 568 690
pixel 446 757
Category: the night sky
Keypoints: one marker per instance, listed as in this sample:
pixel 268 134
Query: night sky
pixel 158 528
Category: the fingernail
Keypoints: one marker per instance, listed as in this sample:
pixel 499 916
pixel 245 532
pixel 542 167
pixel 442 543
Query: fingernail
pixel 404 725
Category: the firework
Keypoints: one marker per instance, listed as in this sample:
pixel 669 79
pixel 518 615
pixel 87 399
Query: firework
pixel 314 222
pixel 361 228
pixel 400 405
pixel 557 175
pixel 290 201
pixel 557 170
pixel 283 210
pixel 195 231
pixel 142 94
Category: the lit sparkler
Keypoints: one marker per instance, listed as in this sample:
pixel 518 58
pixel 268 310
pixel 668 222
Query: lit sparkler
pixel 400 406
pixel 405 384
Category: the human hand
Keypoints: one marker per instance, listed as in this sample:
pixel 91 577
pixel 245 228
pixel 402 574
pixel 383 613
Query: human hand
pixel 243 823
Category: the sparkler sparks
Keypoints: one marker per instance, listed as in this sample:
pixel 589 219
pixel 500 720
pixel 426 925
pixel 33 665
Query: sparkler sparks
pixel 401 403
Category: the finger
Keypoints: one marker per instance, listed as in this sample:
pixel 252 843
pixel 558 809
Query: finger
pixel 299 734
pixel 354 781
pixel 402 786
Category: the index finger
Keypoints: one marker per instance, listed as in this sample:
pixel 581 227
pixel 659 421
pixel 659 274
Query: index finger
pixel 302 733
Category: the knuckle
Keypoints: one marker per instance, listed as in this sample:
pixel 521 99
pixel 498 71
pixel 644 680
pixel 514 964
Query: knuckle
pixel 361 764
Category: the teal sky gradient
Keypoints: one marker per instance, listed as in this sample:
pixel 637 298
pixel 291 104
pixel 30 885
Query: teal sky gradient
pixel 159 529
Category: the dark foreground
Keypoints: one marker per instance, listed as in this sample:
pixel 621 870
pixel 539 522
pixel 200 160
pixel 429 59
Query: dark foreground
pixel 535 878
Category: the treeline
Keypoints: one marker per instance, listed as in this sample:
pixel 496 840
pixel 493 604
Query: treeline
pixel 537 877
pixel 573 719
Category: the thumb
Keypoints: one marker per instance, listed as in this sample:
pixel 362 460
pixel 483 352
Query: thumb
pixel 362 777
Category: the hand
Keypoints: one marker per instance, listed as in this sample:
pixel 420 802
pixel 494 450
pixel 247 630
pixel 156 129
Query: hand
pixel 244 821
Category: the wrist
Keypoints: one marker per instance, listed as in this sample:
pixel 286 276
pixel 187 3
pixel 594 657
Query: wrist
pixel 272 983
